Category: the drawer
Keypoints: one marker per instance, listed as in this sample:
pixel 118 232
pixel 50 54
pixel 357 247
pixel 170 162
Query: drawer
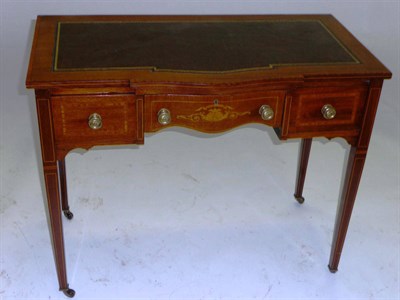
pixel 88 120
pixel 212 113
pixel 304 112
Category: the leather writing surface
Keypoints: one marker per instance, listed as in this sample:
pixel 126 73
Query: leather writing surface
pixel 196 46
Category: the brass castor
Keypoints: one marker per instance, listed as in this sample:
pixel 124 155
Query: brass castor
pixel 68 214
pixel 299 199
pixel 69 292
pixel 332 270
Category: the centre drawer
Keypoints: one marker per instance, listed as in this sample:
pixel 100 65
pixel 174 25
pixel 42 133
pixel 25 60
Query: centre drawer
pixel 213 113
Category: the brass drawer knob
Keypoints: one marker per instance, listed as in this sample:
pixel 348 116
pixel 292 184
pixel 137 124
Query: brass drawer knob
pixel 266 112
pixel 328 111
pixel 95 121
pixel 164 116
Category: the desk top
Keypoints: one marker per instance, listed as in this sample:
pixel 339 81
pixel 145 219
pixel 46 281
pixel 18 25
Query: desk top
pixel 203 46
pixel 124 50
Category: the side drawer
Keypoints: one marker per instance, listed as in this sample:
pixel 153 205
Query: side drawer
pixel 304 114
pixel 88 120
pixel 212 113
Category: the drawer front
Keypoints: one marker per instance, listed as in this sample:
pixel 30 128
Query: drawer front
pixel 212 113
pixel 305 111
pixel 88 120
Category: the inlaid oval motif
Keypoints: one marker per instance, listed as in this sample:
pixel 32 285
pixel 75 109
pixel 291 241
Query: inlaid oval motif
pixel 213 113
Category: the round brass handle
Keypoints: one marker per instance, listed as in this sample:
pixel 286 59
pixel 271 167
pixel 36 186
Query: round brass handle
pixel 95 121
pixel 266 112
pixel 164 116
pixel 328 111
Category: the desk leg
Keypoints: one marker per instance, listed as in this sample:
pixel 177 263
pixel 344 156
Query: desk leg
pixel 64 193
pixel 355 166
pixel 305 149
pixel 52 173
pixel 53 202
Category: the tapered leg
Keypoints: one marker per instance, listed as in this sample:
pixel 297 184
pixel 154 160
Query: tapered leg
pixel 56 228
pixel 63 186
pixel 52 174
pixel 355 166
pixel 305 149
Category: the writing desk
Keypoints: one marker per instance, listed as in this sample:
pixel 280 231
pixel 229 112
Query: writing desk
pixel 108 80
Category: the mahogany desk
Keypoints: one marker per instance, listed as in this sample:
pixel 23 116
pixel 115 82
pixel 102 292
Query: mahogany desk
pixel 107 80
